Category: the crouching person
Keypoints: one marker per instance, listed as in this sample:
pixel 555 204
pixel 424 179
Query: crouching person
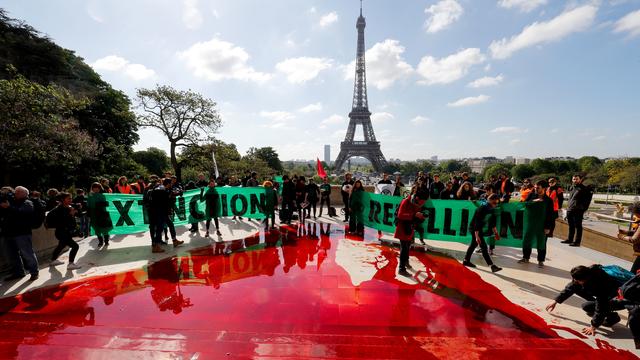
pixel 409 211
pixel 629 298
pixel 598 288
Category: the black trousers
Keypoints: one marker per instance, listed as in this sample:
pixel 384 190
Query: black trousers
pixel 405 246
pixel 345 201
pixel 483 247
pixel 288 206
pixel 574 218
pixel 324 200
pixel 542 254
pixel 65 239
pixel 215 221
pixel 636 265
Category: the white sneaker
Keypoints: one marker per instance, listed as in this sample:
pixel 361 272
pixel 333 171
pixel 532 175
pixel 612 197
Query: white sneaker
pixel 73 266
pixel 56 263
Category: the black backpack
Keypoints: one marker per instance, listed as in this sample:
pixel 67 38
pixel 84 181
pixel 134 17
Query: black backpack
pixel 631 290
pixel 52 219
pixel 39 213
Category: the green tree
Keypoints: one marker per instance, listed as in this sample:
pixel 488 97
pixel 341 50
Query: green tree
pixel 522 171
pixel 495 170
pixel 542 166
pixel 589 164
pixel 38 132
pixel 186 118
pixel 269 155
pixel 153 159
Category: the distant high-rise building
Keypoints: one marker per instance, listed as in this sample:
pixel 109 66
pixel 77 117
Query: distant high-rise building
pixel 509 160
pixel 327 154
pixel 434 158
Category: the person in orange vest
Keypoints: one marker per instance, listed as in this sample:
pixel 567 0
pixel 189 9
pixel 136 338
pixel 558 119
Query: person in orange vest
pixel 525 190
pixel 122 187
pixel 556 194
pixel 138 186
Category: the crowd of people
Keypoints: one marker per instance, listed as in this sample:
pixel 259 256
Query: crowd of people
pixel 297 198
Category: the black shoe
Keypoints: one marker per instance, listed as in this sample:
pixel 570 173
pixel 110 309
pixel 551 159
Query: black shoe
pixel 566 242
pixel 495 268
pixel 100 243
pixel 193 230
pixel 575 244
pixel 404 272
pixel 468 264
pixel 409 267
pixel 637 343
pixel 611 320
pixel 13 277
pixel 33 277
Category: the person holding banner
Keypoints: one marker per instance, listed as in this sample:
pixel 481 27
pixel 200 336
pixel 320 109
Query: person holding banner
pixel 409 211
pixel 270 205
pixel 540 194
pixel 325 194
pixel 356 207
pixel 98 215
pixel 212 202
pixel 483 218
pixel 436 187
pixel 346 191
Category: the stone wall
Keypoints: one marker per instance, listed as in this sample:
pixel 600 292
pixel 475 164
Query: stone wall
pixel 598 241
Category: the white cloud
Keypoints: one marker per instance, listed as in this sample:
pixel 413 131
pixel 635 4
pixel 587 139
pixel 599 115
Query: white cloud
pixel 191 16
pixel 563 25
pixel 311 108
pixel 522 5
pixel 450 68
pixel 302 69
pixel 509 130
pixel 278 119
pixel 442 14
pixel 486 81
pixel 313 10
pixel 217 60
pixel 600 138
pixel 473 100
pixel 333 120
pixel 385 64
pixel 420 120
pixel 95 10
pixel 515 141
pixel 114 63
pixel 630 23
pixel 328 19
pixel 381 117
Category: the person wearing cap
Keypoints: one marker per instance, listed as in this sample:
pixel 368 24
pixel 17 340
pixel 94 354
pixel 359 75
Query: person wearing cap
pixel 409 211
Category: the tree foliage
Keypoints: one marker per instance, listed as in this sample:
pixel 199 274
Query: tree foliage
pixel 38 130
pixel 153 159
pixel 268 155
pixel 186 118
pixel 523 171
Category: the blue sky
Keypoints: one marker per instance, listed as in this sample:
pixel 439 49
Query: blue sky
pixel 453 78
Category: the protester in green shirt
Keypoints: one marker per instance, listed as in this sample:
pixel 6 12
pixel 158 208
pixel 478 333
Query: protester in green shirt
pixel 325 194
pixel 356 208
pixel 212 201
pixel 98 214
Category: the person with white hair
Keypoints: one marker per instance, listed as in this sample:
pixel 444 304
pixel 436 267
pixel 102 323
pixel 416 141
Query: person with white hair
pixel 19 220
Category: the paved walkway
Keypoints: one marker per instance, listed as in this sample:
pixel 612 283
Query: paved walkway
pixel 522 284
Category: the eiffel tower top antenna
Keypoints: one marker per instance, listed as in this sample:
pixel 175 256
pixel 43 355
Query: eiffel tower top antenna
pixel 360 7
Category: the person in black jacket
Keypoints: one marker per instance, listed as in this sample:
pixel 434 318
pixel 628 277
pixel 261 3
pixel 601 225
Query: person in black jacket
pixel 448 193
pixel 436 187
pixel 288 199
pixel 579 201
pixel 540 194
pixel 346 191
pixel 65 223
pixel 18 214
pixel 598 288
pixel 481 226
pixel 159 204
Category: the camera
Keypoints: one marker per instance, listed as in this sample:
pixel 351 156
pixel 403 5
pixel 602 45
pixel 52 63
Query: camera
pixel 6 196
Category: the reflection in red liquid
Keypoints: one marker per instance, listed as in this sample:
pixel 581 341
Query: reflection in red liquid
pixel 286 294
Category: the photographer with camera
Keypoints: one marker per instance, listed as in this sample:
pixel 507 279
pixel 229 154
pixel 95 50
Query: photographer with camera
pixel 18 215
pixel 62 218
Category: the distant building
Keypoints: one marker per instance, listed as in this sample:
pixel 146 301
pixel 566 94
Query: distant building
pixel 509 160
pixel 434 159
pixel 523 161
pixel 327 154
pixel 478 165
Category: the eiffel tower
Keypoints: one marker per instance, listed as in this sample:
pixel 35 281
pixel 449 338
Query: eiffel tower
pixel 360 115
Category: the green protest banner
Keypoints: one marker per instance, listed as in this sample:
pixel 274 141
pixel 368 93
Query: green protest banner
pixel 129 215
pixel 517 223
